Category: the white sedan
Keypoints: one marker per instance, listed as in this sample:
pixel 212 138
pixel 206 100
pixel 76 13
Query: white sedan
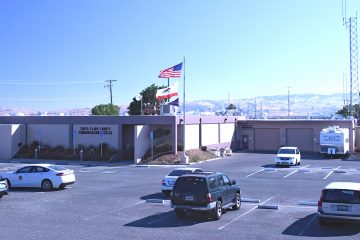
pixel 43 176
pixel 168 182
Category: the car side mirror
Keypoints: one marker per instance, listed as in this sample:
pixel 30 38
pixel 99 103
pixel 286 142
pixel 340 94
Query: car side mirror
pixel 233 182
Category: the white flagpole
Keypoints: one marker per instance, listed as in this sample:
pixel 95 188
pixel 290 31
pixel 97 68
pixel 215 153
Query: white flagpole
pixel 184 159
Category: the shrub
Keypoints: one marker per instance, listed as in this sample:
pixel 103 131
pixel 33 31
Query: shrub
pixel 204 148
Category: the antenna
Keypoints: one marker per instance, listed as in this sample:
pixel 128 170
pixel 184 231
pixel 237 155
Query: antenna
pixel 351 24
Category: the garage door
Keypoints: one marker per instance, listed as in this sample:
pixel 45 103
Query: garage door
pixel 267 139
pixel 301 138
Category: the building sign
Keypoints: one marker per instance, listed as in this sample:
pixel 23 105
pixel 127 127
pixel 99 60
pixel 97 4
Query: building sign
pixel 96 130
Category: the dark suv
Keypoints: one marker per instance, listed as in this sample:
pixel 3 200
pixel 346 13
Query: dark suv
pixel 208 192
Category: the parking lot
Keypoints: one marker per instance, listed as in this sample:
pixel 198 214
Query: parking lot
pixel 125 202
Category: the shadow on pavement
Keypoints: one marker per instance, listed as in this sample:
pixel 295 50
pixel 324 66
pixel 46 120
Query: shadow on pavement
pixel 154 196
pixel 168 220
pixel 310 227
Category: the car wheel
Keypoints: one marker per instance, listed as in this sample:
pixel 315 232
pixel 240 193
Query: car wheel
pixel 217 210
pixel 299 162
pixel 237 202
pixel 322 221
pixel 46 185
pixel 179 213
pixel 8 183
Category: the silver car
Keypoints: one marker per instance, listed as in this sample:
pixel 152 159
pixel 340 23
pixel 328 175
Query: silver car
pixel 339 201
pixel 3 187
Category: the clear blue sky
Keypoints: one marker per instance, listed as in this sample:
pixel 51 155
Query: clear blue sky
pixel 236 47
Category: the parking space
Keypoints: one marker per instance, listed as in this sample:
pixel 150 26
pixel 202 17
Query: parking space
pixel 117 202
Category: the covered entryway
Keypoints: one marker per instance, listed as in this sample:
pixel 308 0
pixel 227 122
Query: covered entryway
pixel 301 138
pixel 267 139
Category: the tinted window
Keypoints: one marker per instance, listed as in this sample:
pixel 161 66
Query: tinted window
pixel 191 183
pixel 40 169
pixel 342 196
pixel 221 181
pixel 177 173
pixel 286 151
pixel 212 183
pixel 24 170
pixel 226 180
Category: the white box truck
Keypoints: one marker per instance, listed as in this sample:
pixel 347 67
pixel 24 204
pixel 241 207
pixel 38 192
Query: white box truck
pixel 334 141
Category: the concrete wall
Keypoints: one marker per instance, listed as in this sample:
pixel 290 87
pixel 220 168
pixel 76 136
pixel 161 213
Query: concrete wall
pixel 18 137
pixel 5 143
pixel 12 137
pixel 227 133
pixel 142 141
pixel 49 134
pixel 210 134
pixel 247 128
pixel 95 134
pixel 192 136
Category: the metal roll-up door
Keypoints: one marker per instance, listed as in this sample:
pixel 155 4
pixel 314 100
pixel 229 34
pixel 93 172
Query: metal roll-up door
pixel 301 138
pixel 267 139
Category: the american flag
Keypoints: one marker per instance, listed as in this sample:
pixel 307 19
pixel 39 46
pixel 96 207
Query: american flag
pixel 172 72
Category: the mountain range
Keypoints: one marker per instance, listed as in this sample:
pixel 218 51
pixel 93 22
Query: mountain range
pixel 269 106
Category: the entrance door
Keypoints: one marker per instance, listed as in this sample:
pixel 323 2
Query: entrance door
pixel 245 142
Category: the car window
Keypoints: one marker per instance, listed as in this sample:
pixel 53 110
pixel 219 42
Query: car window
pixel 177 173
pixel 197 184
pixel 220 181
pixel 213 183
pixel 286 151
pixel 226 180
pixel 198 170
pixel 40 169
pixel 24 170
pixel 342 196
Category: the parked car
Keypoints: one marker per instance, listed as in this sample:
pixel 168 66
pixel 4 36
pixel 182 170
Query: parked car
pixel 168 182
pixel 43 176
pixel 339 201
pixel 207 192
pixel 3 187
pixel 287 156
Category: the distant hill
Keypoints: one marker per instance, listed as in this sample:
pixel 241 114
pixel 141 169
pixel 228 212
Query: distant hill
pixel 300 105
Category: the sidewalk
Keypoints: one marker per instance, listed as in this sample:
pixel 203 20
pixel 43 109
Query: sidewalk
pixel 68 162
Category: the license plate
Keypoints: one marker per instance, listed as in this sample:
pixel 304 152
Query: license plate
pixel 189 198
pixel 342 208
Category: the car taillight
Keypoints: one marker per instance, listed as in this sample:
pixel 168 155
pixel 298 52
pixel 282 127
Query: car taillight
pixel 60 174
pixel 321 201
pixel 163 182
pixel 208 197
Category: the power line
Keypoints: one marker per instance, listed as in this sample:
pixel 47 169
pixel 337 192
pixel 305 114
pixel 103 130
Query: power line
pixel 109 86
pixel 8 82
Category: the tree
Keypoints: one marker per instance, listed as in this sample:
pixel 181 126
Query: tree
pixel 151 106
pixel 345 111
pixel 105 109
pixel 231 107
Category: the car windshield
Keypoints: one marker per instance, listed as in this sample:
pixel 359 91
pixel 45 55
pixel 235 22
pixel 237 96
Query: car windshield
pixel 196 184
pixel 342 196
pixel 58 168
pixel 178 172
pixel 286 151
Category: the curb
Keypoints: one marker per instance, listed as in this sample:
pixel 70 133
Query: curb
pixel 274 207
pixel 250 200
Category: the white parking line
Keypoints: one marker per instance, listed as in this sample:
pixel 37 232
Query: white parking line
pixel 331 172
pixel 245 213
pixel 296 171
pixel 113 211
pixel 255 172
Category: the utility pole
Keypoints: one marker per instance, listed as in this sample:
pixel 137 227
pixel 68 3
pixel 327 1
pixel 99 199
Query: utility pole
pixel 109 86
pixel 288 102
